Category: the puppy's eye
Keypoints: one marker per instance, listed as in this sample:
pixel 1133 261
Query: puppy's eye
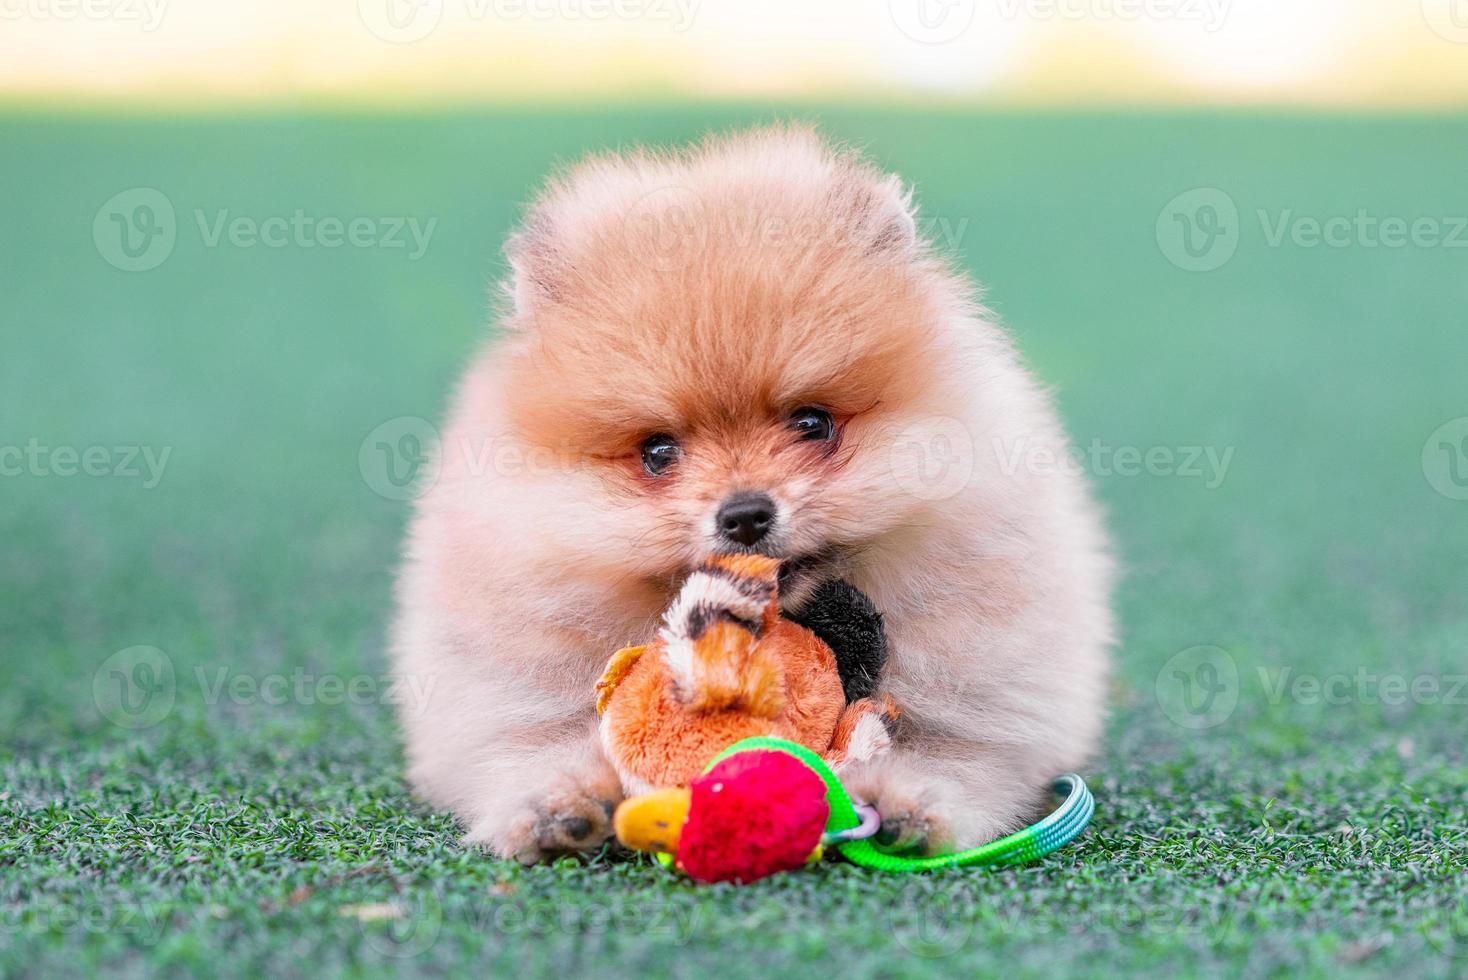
pixel 812 424
pixel 659 452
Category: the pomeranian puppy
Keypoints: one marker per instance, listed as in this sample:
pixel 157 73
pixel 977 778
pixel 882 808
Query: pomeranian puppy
pixel 747 346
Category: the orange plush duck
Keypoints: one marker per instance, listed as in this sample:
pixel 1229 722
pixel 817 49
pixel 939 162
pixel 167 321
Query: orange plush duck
pixel 726 666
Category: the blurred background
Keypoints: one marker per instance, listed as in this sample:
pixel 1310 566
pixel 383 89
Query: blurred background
pixel 248 247
pixel 1031 52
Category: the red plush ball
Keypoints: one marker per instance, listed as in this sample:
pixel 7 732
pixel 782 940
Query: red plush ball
pixel 755 813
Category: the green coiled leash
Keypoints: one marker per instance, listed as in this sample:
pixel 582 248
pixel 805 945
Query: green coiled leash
pixel 1061 827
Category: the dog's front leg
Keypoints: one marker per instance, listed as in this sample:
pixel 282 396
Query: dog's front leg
pixel 547 794
pixel 945 796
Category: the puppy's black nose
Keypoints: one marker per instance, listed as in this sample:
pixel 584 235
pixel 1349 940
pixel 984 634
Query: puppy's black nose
pixel 746 517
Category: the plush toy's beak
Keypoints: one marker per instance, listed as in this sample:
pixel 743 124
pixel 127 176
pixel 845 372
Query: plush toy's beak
pixel 653 822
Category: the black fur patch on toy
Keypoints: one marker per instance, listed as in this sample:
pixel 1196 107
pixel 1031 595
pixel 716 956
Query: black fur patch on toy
pixel 851 626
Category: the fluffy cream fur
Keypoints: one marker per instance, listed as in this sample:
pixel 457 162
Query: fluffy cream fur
pixel 707 294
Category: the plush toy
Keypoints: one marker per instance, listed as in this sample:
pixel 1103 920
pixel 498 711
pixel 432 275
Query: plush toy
pixel 730 728
pixel 726 666
pixel 750 815
pixel 766 805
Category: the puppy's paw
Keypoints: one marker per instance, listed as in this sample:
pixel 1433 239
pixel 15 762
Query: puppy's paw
pixel 573 823
pixel 566 822
pixel 911 821
pixel 908 829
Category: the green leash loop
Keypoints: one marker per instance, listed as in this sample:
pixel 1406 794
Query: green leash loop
pixel 1061 827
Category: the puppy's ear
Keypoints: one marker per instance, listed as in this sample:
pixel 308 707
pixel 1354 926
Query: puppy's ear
pixel 894 218
pixel 886 217
pixel 535 266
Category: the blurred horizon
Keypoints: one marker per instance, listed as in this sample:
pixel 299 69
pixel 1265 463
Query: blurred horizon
pixel 1083 53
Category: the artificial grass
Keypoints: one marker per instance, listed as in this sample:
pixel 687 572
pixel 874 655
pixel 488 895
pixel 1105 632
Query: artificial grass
pixel 262 824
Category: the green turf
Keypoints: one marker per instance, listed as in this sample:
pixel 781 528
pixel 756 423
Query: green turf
pixel 236 835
